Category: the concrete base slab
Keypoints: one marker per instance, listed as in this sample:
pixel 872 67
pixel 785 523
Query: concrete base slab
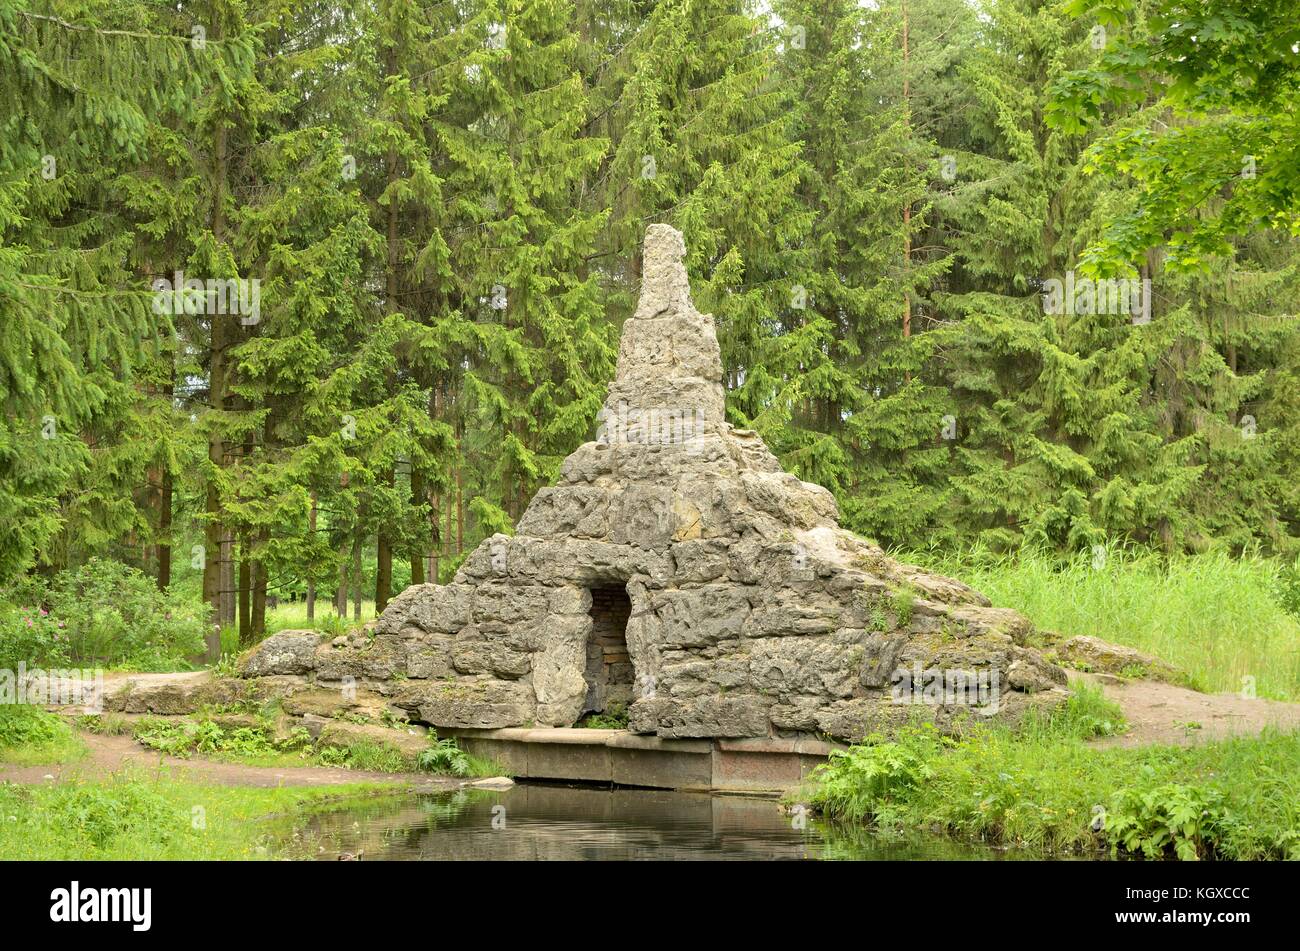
pixel 628 759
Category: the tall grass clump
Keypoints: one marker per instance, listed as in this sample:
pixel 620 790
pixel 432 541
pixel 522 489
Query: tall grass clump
pixel 1226 622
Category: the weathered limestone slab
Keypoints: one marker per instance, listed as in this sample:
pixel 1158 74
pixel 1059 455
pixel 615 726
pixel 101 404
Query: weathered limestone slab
pixel 338 734
pixel 1098 656
pixel 287 652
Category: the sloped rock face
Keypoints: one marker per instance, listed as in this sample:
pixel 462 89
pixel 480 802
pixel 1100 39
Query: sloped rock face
pixel 751 613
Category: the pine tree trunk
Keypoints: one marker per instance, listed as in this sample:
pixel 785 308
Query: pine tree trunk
pixel 383 572
pixel 435 539
pixel 311 581
pixel 259 599
pixel 217 575
pixel 165 530
pixel 229 586
pixel 417 558
pixel 356 577
pixel 435 500
pixel 341 589
pixel 245 595
pixel 165 492
pixel 460 511
pixel 907 208
pixel 447 541
pixel 383 548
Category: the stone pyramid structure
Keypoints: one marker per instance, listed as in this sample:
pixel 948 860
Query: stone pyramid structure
pixel 678 573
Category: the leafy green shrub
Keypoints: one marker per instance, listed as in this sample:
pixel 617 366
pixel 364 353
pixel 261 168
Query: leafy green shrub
pixel 1040 788
pixel 30 736
pixel 31 636
pixel 615 718
pixel 104 724
pixel 333 756
pixel 855 783
pixel 1286 588
pixel 1170 817
pixel 185 737
pixel 904 602
pixel 376 758
pixel 25 725
pixel 1087 714
pixel 103 612
pixel 444 756
pixel 97 814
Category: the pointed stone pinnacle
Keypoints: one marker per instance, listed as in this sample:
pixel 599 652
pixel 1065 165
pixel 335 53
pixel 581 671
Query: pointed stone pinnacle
pixel 668 357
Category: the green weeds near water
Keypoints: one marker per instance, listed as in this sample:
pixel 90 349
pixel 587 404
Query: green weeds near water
pixel 1045 789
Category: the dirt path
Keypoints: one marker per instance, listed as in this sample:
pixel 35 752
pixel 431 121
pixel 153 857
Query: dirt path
pixel 111 754
pixel 1175 716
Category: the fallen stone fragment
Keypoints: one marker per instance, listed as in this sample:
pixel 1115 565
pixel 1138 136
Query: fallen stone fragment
pixel 1097 656
pixel 494 782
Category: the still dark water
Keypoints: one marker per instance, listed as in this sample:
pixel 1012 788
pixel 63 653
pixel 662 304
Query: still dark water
pixel 577 823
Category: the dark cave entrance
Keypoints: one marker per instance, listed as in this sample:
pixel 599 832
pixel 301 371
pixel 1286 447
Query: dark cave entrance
pixel 608 673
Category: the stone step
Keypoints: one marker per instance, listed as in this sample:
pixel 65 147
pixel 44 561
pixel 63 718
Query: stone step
pixel 758 766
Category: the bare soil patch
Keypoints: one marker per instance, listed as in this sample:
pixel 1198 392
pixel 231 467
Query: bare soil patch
pixel 1163 713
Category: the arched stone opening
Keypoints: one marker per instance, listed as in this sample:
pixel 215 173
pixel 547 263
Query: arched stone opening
pixel 608 669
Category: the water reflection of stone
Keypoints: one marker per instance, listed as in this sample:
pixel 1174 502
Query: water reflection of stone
pixel 568 823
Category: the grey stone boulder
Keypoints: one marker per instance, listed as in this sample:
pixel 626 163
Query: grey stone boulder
pixel 288 652
pixel 1098 656
pixel 339 734
pixel 181 694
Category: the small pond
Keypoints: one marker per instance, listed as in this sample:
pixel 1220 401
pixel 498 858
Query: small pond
pixel 534 821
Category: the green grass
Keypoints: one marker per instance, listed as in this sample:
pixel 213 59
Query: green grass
pixel 292 615
pixel 259 745
pixel 29 736
pixel 134 818
pixel 1218 619
pixel 1044 788
pixel 289 615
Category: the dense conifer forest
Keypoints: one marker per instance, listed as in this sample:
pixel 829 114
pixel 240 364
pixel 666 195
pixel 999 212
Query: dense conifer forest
pixel 302 300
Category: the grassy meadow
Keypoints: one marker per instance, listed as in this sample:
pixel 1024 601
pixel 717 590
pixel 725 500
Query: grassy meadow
pixel 140 818
pixel 1219 619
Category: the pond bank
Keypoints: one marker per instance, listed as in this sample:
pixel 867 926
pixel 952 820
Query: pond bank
pixel 109 755
pixel 575 823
